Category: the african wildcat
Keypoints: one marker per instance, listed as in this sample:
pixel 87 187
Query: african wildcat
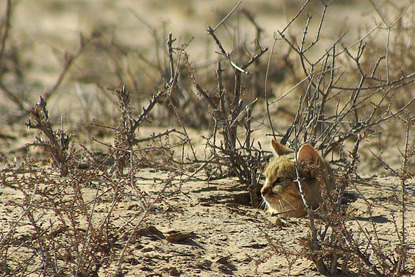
pixel 281 192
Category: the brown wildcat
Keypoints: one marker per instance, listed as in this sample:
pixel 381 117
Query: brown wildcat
pixel 281 192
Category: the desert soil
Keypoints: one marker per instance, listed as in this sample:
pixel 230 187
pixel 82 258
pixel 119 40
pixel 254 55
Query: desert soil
pixel 206 228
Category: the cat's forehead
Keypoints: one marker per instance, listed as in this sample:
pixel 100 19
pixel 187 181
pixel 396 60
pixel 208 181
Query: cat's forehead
pixel 289 156
pixel 282 164
pixel 284 159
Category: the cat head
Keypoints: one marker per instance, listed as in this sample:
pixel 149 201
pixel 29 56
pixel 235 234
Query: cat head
pixel 280 191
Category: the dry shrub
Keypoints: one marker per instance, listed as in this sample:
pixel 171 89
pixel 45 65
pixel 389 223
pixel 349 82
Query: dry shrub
pixel 13 70
pixel 337 104
pixel 70 225
pixel 55 143
pixel 66 224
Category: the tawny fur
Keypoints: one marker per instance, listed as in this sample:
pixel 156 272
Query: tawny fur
pixel 281 192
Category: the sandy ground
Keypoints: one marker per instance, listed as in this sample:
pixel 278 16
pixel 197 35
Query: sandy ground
pixel 202 228
pixel 195 227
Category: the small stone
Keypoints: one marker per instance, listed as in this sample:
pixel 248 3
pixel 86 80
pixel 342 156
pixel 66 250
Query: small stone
pixel 204 264
pixel 173 271
pixel 222 260
pixel 179 236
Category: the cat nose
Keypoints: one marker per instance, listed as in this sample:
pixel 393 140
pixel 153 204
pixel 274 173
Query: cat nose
pixel 264 191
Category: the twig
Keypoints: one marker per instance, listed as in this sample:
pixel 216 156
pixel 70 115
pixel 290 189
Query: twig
pixel 68 61
pixel 147 110
pixel 137 141
pixel 226 17
pixel 5 35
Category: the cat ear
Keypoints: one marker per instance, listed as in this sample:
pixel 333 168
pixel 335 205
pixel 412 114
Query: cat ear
pixel 280 149
pixel 308 155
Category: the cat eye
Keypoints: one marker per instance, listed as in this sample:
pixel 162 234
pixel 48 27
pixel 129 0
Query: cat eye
pixel 279 181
